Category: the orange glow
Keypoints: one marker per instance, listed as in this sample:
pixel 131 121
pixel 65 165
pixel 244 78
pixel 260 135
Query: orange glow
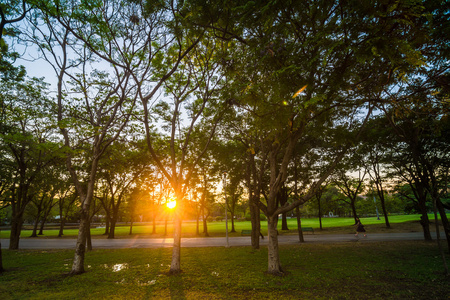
pixel 171 204
pixel 299 91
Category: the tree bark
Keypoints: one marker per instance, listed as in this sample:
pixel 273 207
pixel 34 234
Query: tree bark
pixel 444 221
pixel 112 228
pixel 16 228
pixel 274 265
pixel 256 224
pixel 80 248
pixel 175 266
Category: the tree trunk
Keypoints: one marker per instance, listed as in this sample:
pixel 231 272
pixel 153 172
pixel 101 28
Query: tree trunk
pixel 131 227
pixel 299 226
pixel 274 265
pixel 61 220
pixel 80 249
pixel 444 220
pixel 112 228
pixel 425 222
pixel 284 225
pixel 197 227
pixel 232 222
pixel 16 228
pixel 41 228
pixel 386 218
pixel 205 226
pixel 354 209
pixel 107 225
pixel 175 266
pixel 320 214
pixel 256 224
pixel 35 226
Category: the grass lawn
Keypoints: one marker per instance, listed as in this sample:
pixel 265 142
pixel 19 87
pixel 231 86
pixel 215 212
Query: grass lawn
pixel 399 223
pixel 385 270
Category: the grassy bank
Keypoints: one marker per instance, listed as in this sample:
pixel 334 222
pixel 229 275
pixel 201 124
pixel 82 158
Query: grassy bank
pixel 399 223
pixel 400 270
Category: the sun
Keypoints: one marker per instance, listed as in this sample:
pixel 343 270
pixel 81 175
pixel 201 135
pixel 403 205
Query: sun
pixel 171 204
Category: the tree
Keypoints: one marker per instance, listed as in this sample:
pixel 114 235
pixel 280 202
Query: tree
pixel 28 143
pixel 332 51
pixel 351 187
pixel 10 13
pixel 124 162
pixel 94 117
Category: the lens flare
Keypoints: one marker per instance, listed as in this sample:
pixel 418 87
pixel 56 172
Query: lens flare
pixel 171 204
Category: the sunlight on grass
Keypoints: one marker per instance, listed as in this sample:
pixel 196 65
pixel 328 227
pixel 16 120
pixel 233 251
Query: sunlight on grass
pixel 405 270
pixel 217 228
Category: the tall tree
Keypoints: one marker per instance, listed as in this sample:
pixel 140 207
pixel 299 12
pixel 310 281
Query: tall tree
pixel 28 143
pixel 123 163
pixel 338 53
pixel 98 107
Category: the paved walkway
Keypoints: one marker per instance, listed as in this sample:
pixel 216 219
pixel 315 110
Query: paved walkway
pixel 41 243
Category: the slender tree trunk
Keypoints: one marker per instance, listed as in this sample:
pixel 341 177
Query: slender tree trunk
pixel 232 222
pixel 205 225
pixel 61 220
pixel 444 221
pixel 425 222
pixel 284 225
pixel 131 227
pixel 355 215
pixel 299 226
pixel 175 266
pixel 107 224
pixel 274 265
pixel 256 224
pixel 35 226
pixel 320 213
pixel 386 218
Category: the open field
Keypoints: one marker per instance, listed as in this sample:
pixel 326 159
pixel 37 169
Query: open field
pixel 399 223
pixel 385 270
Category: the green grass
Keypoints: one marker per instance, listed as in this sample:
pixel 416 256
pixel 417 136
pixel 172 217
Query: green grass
pixel 399 223
pixel 386 270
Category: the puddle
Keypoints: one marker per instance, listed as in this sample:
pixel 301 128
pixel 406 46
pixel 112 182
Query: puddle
pixel 119 267
pixel 116 267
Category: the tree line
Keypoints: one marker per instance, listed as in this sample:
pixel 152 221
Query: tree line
pixel 291 99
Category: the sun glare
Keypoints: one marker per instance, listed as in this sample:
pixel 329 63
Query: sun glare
pixel 171 204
